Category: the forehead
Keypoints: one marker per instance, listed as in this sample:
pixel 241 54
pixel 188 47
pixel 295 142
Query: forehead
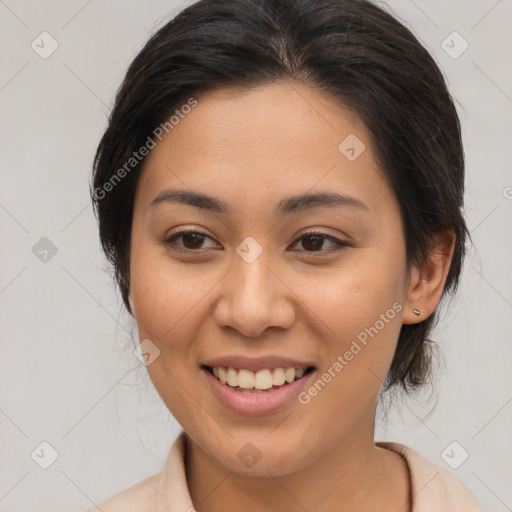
pixel 271 117
pixel 256 144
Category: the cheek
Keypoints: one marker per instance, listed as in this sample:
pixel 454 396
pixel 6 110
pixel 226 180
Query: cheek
pixel 362 310
pixel 166 300
pixel 358 353
pixel 165 294
pixel 354 298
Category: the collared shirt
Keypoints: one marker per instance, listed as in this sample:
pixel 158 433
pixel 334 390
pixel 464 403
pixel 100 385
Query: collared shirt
pixel 434 489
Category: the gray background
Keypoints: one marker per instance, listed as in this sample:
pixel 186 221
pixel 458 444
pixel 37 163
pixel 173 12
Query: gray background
pixel 68 374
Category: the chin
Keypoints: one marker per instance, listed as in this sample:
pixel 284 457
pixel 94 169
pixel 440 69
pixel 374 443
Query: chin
pixel 247 456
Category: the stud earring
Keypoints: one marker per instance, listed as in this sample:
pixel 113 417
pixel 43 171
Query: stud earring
pixel 417 312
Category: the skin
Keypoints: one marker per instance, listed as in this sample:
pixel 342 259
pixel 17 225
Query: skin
pixel 252 149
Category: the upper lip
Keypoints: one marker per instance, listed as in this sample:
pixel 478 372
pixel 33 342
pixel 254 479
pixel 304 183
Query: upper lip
pixel 255 364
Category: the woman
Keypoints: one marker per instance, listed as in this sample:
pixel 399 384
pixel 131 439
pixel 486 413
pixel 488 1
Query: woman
pixel 280 192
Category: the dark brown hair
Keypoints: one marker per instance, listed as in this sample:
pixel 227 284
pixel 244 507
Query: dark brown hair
pixel 351 50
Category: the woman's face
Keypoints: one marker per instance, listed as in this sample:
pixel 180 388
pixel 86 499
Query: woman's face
pixel 252 286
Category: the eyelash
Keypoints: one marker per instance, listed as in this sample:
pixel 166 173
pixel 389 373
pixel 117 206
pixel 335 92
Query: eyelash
pixel 170 241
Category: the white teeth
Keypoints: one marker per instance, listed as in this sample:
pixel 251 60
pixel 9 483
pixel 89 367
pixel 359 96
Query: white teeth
pixel 263 379
pixel 299 372
pixel 223 374
pixel 260 380
pixel 246 379
pixel 278 377
pixel 289 374
pixel 232 377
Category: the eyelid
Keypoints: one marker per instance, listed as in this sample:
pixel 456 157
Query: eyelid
pixel 339 244
pixel 168 242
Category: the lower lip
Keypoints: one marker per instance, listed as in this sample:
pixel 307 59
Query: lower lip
pixel 252 404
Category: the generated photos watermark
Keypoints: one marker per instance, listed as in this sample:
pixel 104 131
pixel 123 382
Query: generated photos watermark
pixel 139 155
pixel 356 347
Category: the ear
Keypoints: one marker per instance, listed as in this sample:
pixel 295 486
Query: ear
pixel 427 280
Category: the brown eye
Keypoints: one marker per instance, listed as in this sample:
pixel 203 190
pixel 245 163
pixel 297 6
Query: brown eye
pixel 193 241
pixel 190 240
pixel 313 242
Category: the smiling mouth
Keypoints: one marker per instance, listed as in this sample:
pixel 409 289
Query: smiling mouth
pixel 262 381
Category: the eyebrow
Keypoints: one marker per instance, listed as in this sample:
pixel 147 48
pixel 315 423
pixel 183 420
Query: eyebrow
pixel 294 204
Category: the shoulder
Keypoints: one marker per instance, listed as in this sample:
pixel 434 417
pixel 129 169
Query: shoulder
pixel 141 497
pixel 433 488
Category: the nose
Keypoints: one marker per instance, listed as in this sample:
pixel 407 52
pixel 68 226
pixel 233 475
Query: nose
pixel 254 297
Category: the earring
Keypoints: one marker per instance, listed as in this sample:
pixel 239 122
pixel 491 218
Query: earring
pixel 417 312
